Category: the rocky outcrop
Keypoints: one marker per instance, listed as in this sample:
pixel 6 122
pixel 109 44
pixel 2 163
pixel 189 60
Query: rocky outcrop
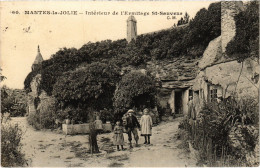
pixel 212 54
pixel 35 97
pixel 177 73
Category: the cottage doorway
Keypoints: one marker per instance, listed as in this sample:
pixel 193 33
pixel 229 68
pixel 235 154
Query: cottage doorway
pixel 178 102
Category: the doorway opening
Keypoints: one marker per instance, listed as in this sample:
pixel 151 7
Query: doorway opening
pixel 178 102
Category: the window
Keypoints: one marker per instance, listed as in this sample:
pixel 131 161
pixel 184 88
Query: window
pixel 213 95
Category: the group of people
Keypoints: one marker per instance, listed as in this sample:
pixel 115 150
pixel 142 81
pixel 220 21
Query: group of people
pixel 131 125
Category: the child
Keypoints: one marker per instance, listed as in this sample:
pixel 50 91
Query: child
pixel 146 126
pixel 118 136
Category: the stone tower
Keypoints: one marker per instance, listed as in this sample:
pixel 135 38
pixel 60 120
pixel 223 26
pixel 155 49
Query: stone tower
pixel 38 60
pixel 131 29
pixel 228 27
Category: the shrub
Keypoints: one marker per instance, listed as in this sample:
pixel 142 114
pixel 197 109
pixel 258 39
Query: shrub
pixel 13 101
pixel 89 86
pixel 33 119
pixel 45 115
pixel 11 155
pixel 135 89
pixel 224 129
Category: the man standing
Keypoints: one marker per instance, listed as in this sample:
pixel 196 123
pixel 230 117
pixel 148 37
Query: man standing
pixel 131 126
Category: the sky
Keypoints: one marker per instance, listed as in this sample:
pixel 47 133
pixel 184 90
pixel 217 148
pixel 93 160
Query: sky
pixel 21 33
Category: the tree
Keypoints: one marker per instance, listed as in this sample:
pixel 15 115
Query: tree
pixel 93 146
pixel 135 89
pixel 89 86
pixel 186 18
pixel 13 101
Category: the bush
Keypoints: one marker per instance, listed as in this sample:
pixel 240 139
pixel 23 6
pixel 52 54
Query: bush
pixel 45 115
pixel 13 101
pixel 11 155
pixel 224 129
pixel 135 89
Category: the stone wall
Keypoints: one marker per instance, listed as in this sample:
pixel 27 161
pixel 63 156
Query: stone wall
pixel 228 27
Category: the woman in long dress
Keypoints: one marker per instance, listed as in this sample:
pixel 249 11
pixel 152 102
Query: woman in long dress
pixel 146 126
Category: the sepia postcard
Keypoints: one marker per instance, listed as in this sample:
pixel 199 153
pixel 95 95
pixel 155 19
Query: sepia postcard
pixel 129 83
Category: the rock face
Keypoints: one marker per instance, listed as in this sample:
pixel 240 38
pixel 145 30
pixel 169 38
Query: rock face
pixel 35 94
pixel 212 53
pixel 177 73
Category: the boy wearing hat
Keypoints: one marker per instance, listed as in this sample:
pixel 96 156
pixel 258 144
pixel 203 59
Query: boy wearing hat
pixel 131 126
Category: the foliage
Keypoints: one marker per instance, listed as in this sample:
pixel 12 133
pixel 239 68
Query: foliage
pixel 29 78
pixel 90 85
pixel 225 129
pixel 246 41
pixel 184 20
pixel 189 41
pixel 2 77
pixel 137 89
pixel 11 155
pixel 106 115
pixel 13 102
pixel 45 115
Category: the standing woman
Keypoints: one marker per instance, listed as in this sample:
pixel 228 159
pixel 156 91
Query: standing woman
pixel 146 126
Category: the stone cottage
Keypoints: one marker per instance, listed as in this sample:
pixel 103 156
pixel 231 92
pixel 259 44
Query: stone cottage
pixel 220 76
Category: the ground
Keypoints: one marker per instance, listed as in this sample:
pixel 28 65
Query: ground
pixel 51 148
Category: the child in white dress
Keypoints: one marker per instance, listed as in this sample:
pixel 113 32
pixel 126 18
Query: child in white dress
pixel 146 126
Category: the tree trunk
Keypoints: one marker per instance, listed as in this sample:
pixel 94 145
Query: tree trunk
pixel 93 146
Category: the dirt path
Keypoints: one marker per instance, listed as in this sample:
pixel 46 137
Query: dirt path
pixel 46 148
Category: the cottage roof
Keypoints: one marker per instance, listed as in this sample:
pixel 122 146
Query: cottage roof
pixel 38 58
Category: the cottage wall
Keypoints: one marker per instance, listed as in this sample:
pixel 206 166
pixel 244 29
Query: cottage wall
pixel 185 100
pixel 171 101
pixel 229 78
